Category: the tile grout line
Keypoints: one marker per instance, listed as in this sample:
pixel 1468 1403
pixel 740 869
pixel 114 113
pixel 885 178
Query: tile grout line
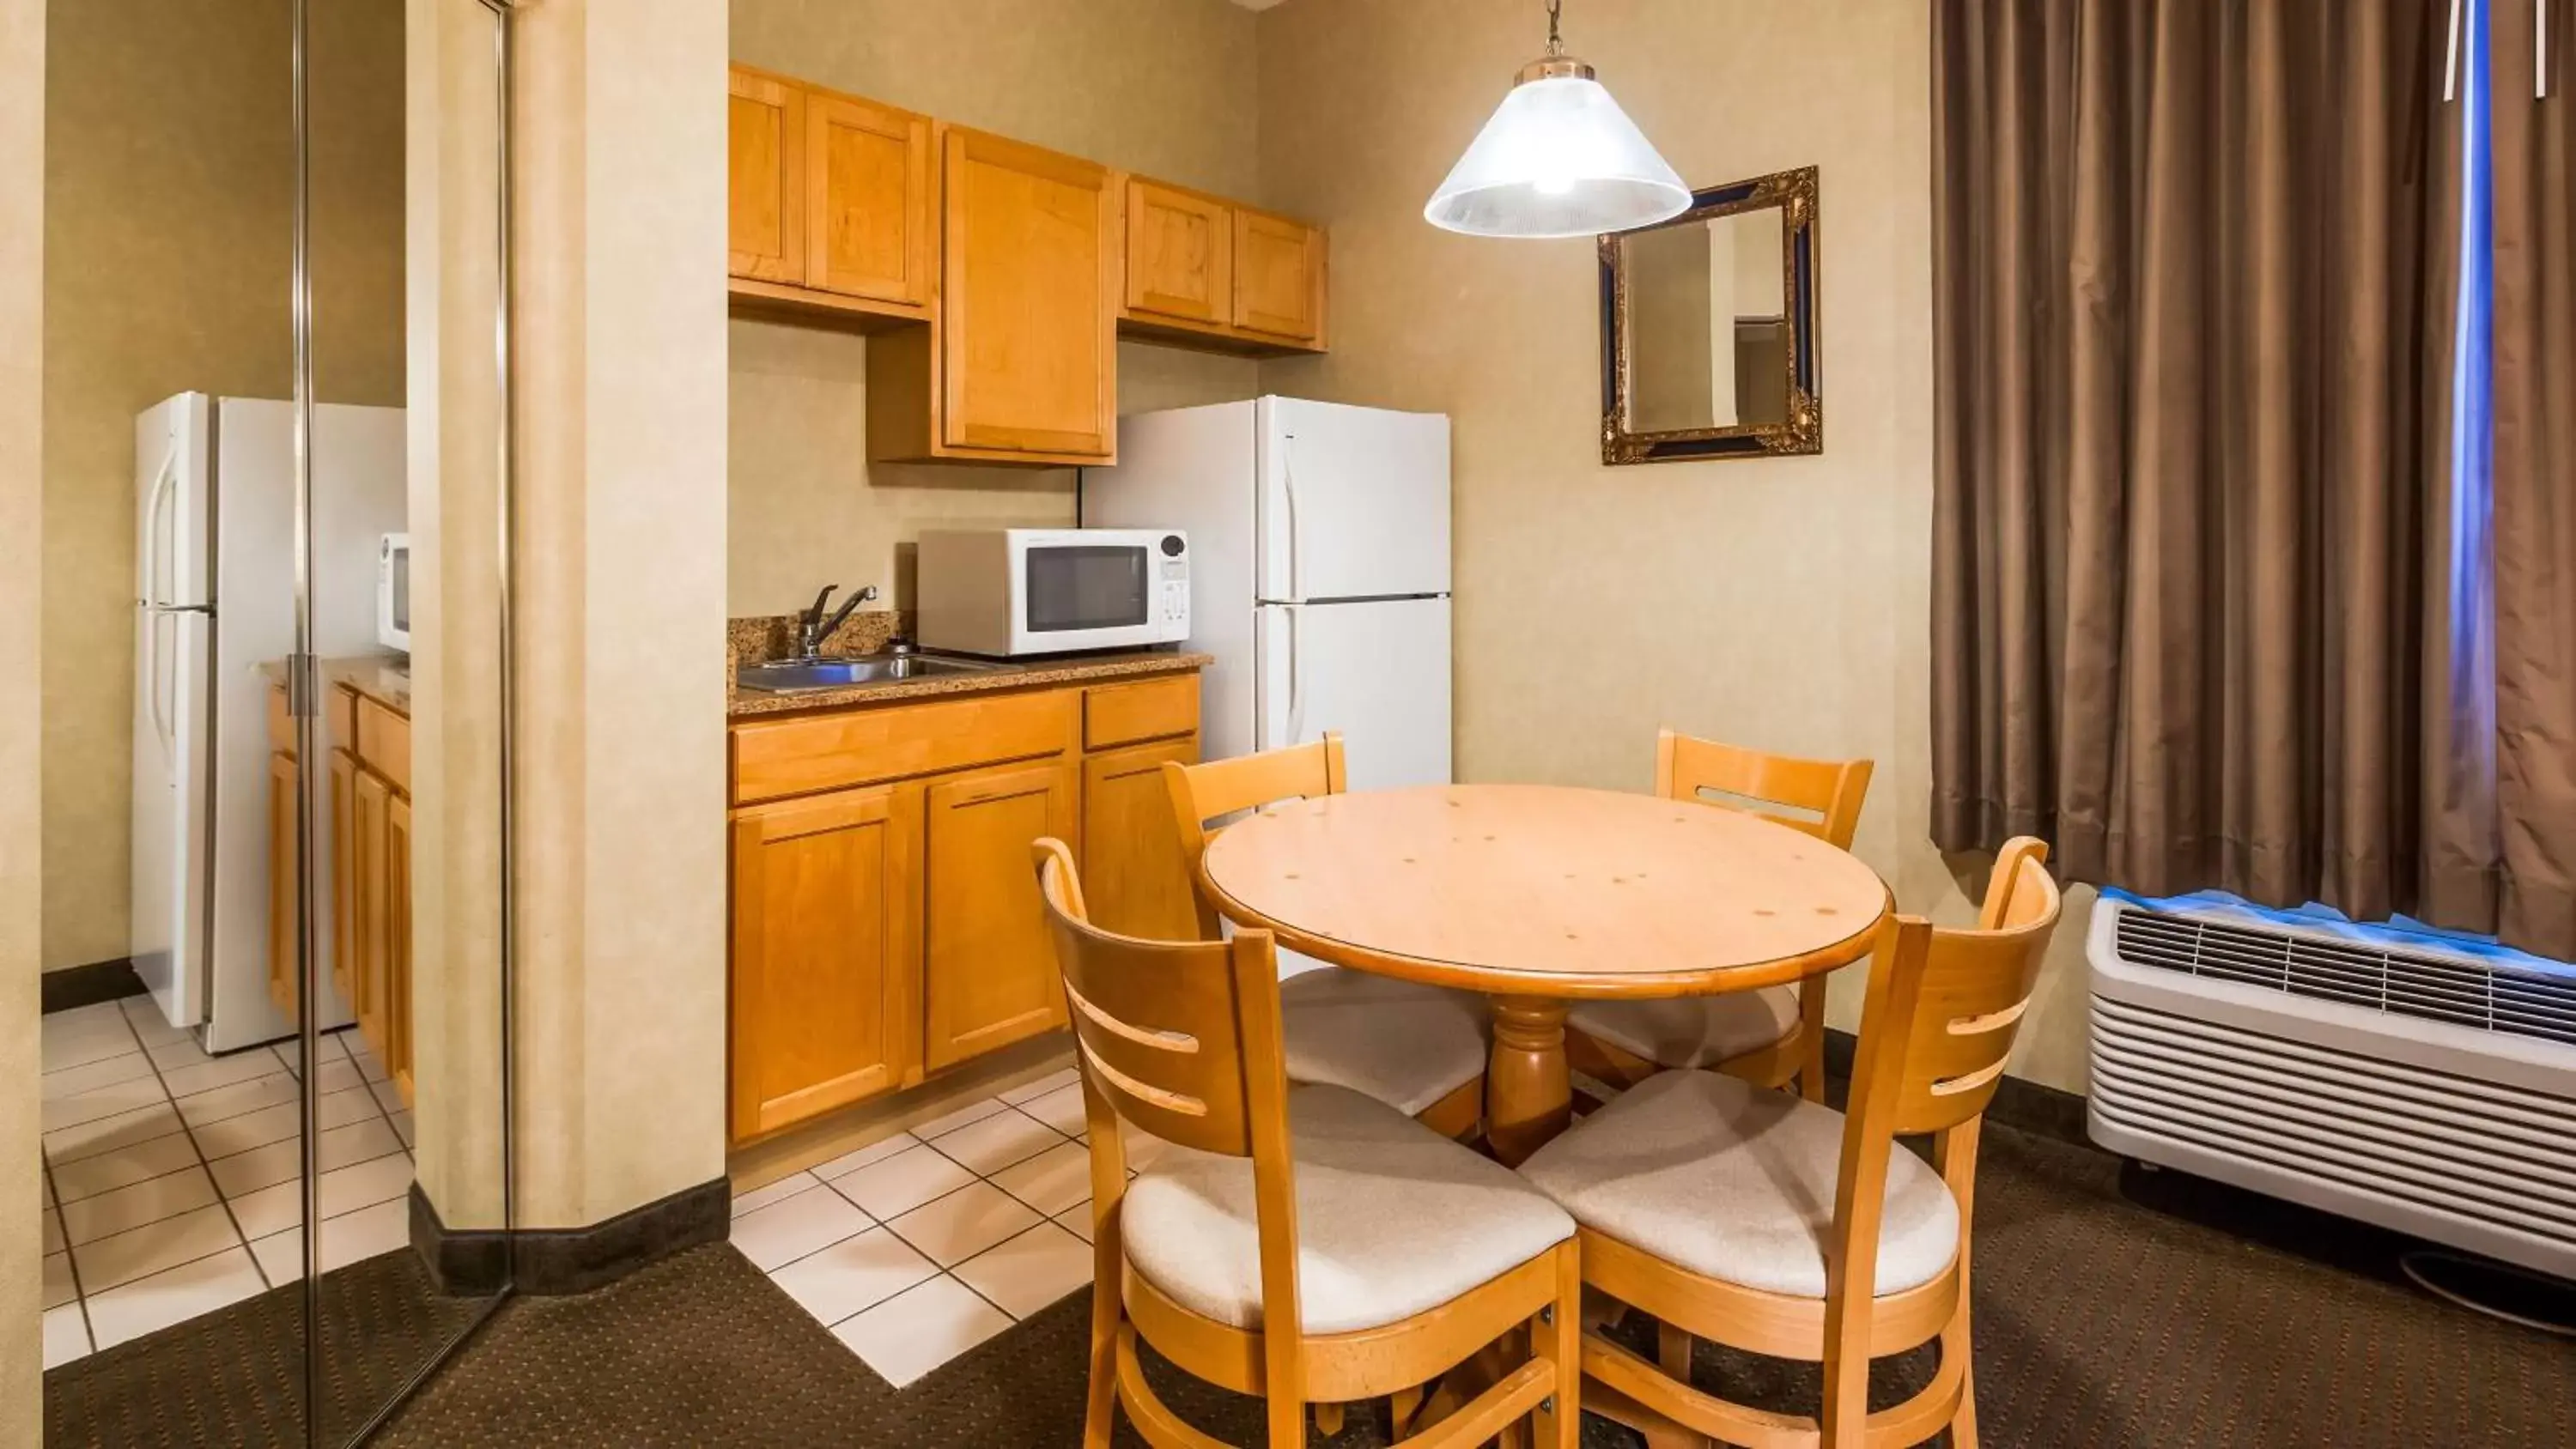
pixel 204 1165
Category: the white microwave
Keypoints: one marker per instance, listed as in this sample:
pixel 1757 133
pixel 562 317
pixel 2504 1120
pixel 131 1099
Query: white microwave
pixel 393 592
pixel 1012 591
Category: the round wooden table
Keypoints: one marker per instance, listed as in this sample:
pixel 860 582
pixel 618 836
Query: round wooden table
pixel 1536 895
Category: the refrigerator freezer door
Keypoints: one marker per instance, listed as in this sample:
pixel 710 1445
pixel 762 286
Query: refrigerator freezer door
pixel 171 502
pixel 1377 671
pixel 1354 502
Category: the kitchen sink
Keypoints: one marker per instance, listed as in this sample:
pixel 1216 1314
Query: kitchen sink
pixel 801 675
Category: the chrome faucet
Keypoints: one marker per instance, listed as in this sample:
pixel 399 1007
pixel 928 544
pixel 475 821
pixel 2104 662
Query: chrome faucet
pixel 812 628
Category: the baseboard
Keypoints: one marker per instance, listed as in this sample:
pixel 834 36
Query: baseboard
pixel 544 1262
pixel 2043 1111
pixel 77 986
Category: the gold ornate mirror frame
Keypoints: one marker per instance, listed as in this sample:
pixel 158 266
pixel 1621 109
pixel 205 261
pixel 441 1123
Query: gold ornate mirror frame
pixel 1802 430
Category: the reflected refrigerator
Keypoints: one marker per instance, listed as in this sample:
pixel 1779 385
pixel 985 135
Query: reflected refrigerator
pixel 214 609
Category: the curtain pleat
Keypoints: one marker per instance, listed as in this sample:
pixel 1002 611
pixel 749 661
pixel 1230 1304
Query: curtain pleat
pixel 2535 482
pixel 2192 293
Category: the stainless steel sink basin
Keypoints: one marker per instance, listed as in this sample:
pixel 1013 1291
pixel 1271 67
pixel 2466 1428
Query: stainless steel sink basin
pixel 801 676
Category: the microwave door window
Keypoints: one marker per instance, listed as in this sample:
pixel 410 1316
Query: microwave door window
pixel 1087 586
pixel 402 589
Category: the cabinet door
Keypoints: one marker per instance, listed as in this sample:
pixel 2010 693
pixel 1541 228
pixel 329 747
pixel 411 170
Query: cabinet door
pixel 1028 300
pixel 765 169
pixel 1278 277
pixel 867 200
pixel 344 843
pixel 1132 874
pixel 396 1008
pixel 367 890
pixel 988 971
pixel 1180 249
pixel 826 903
pixel 282 923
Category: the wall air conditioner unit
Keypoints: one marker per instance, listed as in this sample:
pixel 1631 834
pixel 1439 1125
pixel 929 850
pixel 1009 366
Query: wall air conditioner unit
pixel 2368 1073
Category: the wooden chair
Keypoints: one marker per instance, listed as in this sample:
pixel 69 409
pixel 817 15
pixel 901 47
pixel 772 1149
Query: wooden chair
pixel 1317 1245
pixel 1766 1037
pixel 1419 1049
pixel 1703 1198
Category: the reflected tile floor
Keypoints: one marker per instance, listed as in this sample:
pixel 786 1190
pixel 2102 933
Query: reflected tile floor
pixel 916 1249
pixel 170 1175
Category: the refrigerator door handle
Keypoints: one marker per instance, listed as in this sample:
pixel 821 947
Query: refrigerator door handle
pixel 164 479
pixel 159 664
pixel 1296 522
pixel 1296 682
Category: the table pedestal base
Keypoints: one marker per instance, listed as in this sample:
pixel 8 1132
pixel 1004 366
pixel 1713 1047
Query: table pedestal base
pixel 1529 1092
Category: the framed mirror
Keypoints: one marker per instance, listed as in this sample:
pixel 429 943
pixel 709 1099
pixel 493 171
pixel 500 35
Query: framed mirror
pixel 1708 328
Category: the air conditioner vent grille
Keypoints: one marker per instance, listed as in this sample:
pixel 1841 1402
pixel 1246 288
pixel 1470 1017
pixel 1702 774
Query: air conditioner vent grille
pixel 2404 983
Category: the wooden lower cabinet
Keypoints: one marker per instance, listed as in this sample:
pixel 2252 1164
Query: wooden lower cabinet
pixel 988 973
pixel 370 879
pixel 885 932
pixel 344 910
pixel 394 996
pixel 1132 876
pixel 825 943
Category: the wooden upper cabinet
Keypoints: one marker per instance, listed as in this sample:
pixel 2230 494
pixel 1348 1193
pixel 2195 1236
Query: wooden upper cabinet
pixel 988 970
pixel 869 224
pixel 1279 277
pixel 1029 287
pixel 826 912
pixel 1180 249
pixel 765 166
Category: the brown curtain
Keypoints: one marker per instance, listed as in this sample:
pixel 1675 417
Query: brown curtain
pixel 2194 271
pixel 2535 480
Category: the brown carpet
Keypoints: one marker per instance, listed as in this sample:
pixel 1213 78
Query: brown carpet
pixel 2099 1323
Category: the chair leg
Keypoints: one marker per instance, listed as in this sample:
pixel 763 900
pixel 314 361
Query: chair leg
pixel 1557 1336
pixel 1402 1408
pixel 1328 1419
pixel 1673 1355
pixel 1100 1407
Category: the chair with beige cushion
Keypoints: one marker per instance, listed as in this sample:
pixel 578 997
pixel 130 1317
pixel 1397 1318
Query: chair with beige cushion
pixel 1766 1037
pixel 1781 1227
pixel 1301 1244
pixel 1419 1049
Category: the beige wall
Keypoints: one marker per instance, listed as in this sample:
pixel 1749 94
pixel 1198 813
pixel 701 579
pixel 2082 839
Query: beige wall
pixel 1781 602
pixel 1164 87
pixel 620 746
pixel 169 167
pixel 22 301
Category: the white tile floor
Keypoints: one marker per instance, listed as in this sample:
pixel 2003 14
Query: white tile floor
pixel 170 1175
pixel 919 1247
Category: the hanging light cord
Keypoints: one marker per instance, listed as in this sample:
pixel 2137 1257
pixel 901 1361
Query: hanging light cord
pixel 1555 42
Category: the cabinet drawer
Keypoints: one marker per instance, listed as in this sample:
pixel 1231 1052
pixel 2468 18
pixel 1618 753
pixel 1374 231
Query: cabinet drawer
pixel 776 759
pixel 384 743
pixel 1119 714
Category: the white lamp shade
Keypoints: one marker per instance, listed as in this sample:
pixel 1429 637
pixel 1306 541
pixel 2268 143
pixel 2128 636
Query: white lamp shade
pixel 1559 158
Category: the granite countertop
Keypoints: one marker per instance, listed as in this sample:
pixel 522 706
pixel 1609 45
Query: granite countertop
pixel 763 638
pixel 384 678
pixel 1035 674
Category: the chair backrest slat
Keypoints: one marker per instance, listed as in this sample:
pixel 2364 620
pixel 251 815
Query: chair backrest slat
pixel 1830 791
pixel 1973 992
pixel 1160 1025
pixel 1217 788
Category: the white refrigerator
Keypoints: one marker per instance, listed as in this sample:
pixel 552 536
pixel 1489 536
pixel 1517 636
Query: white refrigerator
pixel 1319 575
pixel 214 604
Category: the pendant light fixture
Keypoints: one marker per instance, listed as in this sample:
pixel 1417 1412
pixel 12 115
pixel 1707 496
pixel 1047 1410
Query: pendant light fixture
pixel 1558 158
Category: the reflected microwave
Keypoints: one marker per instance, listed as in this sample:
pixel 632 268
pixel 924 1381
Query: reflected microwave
pixel 1013 591
pixel 393 592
